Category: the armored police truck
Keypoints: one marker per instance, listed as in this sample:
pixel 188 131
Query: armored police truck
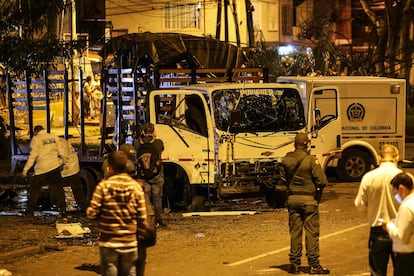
pixel 373 114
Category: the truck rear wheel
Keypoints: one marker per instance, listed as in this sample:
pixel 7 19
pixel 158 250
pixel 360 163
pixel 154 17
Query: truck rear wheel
pixel 353 165
pixel 88 183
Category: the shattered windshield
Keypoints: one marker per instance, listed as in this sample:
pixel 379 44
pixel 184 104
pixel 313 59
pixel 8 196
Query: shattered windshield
pixel 258 110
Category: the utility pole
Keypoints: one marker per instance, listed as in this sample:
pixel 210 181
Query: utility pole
pixel 218 24
pixel 74 61
pixel 249 18
pixel 236 23
pixel 73 33
pixel 226 20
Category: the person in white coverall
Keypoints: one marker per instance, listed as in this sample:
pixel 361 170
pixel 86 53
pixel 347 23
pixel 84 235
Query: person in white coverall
pixel 44 155
pixel 70 173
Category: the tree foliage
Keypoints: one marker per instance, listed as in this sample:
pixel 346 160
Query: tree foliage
pixel 388 50
pixel 297 63
pixel 28 33
pixel 394 44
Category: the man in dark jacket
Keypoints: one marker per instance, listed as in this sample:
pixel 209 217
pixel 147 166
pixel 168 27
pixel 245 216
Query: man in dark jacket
pixel 305 179
pixel 153 187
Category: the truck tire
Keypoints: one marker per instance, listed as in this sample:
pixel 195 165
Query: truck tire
pixel 197 204
pixel 276 198
pixel 193 198
pixel 353 165
pixel 4 152
pixel 88 183
pixel 271 199
pixel 178 193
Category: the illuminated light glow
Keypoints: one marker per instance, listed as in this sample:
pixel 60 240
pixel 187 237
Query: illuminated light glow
pixel 285 50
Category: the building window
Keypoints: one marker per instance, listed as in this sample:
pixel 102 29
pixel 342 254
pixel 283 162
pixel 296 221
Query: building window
pixel 182 15
pixel 273 17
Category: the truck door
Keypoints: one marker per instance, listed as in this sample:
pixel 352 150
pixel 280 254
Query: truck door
pixel 183 122
pixel 324 123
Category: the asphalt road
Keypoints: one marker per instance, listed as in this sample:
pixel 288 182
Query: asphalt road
pixel 229 244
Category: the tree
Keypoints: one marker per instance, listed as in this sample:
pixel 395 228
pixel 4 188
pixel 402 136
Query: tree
pixel 28 32
pixel 394 46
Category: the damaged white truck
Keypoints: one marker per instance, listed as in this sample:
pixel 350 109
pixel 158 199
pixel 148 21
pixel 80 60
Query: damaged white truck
pixel 221 139
pixel 228 138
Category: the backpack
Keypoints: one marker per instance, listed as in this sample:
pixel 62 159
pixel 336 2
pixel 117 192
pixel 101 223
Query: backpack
pixel 149 161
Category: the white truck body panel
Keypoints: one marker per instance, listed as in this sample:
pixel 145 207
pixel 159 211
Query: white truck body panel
pixel 373 110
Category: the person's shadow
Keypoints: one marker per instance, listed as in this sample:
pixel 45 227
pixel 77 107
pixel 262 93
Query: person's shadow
pixel 286 267
pixel 90 267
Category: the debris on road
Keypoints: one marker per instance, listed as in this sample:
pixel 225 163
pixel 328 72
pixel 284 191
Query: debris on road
pixel 5 272
pixel 219 213
pixel 71 230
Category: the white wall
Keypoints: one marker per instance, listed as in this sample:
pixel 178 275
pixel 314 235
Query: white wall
pixel 148 16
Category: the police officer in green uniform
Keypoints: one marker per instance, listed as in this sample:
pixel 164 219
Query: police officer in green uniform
pixel 305 180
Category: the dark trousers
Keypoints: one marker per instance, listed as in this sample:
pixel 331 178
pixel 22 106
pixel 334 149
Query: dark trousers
pixel 86 105
pixel 153 190
pixel 75 183
pixel 380 250
pixel 404 264
pixel 118 261
pixel 302 216
pixel 142 259
pixel 54 180
pixel 142 249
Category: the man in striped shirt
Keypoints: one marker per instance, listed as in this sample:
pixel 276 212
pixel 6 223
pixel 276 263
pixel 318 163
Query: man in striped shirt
pixel 118 204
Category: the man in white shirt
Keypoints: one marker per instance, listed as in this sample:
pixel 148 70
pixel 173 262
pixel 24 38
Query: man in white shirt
pixel 70 172
pixel 44 155
pixel 376 197
pixel 96 96
pixel 402 230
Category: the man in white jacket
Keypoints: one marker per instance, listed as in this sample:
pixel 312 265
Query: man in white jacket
pixel 70 172
pixel 44 155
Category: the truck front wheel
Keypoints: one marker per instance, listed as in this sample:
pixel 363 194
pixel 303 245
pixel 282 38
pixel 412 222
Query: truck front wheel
pixel 193 198
pixel 275 198
pixel 353 165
